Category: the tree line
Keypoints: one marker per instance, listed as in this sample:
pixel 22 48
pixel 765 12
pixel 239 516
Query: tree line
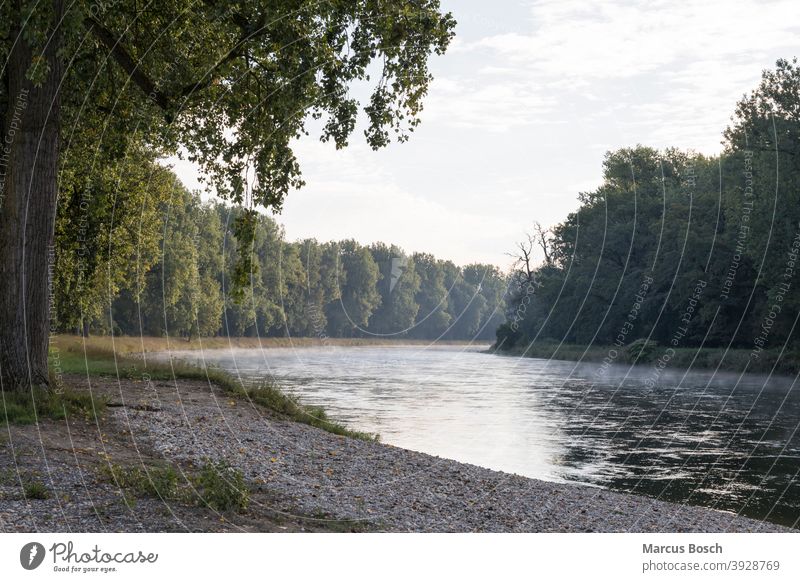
pixel 675 247
pixel 137 253
pixel 87 87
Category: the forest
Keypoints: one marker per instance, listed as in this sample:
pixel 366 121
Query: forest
pixel 93 94
pixel 137 253
pixel 676 248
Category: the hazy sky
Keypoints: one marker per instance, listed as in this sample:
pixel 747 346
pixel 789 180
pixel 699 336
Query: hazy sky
pixel 524 105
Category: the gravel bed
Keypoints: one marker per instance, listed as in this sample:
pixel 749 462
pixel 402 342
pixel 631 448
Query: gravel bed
pixel 75 500
pixel 312 473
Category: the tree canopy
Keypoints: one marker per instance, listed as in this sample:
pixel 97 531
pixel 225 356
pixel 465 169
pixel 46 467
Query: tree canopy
pixel 85 86
pixel 679 248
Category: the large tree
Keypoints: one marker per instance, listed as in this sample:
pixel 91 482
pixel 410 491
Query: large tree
pixel 231 82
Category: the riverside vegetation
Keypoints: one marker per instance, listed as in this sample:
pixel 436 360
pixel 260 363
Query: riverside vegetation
pixel 673 255
pixel 175 276
pixel 677 259
pixel 76 358
pixel 85 405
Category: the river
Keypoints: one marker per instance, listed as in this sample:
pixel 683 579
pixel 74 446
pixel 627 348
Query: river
pixel 725 441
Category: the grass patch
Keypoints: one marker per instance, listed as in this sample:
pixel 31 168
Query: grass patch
pixel 32 488
pixel 152 481
pixel 216 484
pixel 222 487
pixel 35 490
pixel 270 397
pixel 94 358
pixel 27 407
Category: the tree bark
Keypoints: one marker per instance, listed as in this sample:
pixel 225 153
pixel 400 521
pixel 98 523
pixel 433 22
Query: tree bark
pixel 27 211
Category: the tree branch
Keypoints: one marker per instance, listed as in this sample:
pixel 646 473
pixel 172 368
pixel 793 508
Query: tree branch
pixel 128 64
pixel 249 32
pixel 147 85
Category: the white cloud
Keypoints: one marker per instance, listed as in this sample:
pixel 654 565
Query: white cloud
pixel 522 108
pixel 687 61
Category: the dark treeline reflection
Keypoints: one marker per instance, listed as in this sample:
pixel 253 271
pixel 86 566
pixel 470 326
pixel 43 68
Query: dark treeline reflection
pixel 149 257
pixel 719 440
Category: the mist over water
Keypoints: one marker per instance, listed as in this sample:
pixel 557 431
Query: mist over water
pixel 719 440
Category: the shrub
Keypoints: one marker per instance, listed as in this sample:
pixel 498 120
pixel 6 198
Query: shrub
pixel 222 487
pixel 639 351
pixel 35 490
pixel 507 337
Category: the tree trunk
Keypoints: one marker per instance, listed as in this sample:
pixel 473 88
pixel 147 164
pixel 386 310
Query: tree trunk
pixel 27 212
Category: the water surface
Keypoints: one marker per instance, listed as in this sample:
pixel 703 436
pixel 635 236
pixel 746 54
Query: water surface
pixel 724 440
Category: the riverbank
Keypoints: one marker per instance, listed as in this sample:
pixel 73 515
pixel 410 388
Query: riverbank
pixel 144 344
pixel 139 461
pixel 733 360
pixel 123 355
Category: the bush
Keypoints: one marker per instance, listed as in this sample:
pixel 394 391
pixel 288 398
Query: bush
pixel 222 487
pixel 639 351
pixel 507 337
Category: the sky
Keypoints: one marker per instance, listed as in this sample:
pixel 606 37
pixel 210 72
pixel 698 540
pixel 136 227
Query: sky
pixel 524 104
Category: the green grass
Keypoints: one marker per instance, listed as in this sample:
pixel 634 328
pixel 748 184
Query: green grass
pixel 35 490
pixel 32 487
pixel 154 480
pixel 222 487
pixel 98 360
pixel 30 406
pixel 216 485
pixel 272 398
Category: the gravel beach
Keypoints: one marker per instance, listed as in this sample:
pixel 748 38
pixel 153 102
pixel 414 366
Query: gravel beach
pixel 302 478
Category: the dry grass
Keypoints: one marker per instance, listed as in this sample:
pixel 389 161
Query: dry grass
pixel 134 345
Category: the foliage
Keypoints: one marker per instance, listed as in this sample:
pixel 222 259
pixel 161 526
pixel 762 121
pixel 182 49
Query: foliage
pixel 508 337
pixel 156 480
pixel 640 351
pixel 221 486
pixel 303 288
pixel 35 490
pixel 397 287
pixel 38 404
pixel 108 230
pixel 231 85
pixel 678 250
pixel 228 80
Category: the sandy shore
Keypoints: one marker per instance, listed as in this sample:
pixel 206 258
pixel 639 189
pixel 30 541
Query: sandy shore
pixel 302 478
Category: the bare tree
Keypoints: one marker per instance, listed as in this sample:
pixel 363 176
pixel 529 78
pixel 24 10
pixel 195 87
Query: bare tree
pixel 544 239
pixel 523 258
pixel 523 255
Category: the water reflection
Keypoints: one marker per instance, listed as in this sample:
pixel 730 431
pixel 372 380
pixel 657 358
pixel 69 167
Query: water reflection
pixel 721 440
